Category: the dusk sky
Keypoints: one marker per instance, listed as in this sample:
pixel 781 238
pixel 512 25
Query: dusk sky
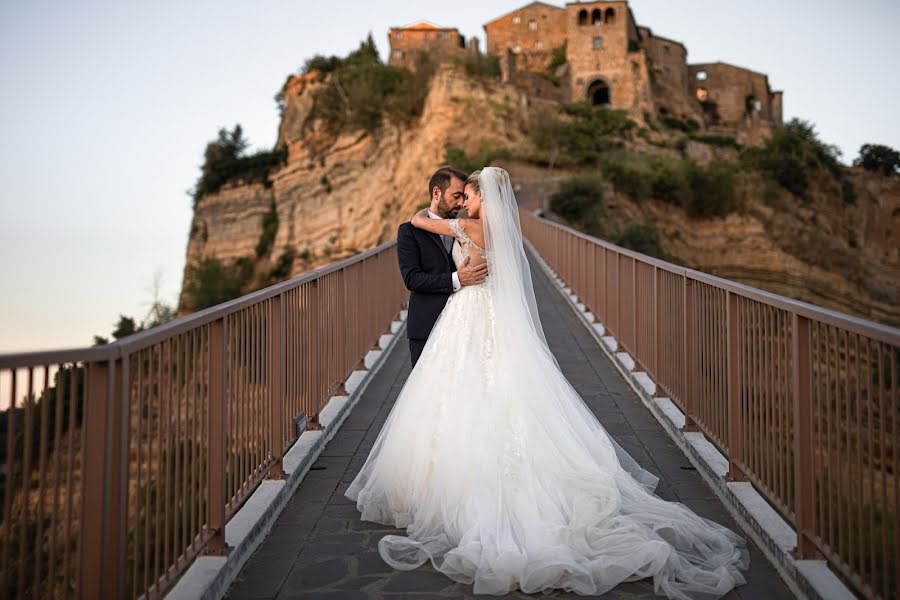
pixel 106 108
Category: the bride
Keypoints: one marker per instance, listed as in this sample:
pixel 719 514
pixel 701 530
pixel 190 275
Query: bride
pixel 501 475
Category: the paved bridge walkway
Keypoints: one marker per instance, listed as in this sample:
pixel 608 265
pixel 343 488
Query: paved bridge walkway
pixel 319 548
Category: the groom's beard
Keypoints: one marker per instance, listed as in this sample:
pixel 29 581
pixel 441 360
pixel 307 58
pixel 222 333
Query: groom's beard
pixel 445 212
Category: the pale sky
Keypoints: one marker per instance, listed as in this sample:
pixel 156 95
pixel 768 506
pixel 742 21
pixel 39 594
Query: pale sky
pixel 106 108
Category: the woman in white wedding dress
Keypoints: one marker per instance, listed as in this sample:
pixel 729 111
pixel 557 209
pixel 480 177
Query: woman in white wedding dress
pixel 501 475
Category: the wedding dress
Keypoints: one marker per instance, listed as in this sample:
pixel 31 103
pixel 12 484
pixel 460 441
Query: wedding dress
pixel 503 477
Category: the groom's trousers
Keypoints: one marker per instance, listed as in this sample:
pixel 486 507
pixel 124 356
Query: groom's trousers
pixel 415 350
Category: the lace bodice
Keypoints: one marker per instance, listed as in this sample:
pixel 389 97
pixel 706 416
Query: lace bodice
pixel 462 244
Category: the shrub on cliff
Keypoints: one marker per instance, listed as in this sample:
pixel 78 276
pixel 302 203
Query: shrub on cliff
pixel 792 155
pixel 360 90
pixel 484 66
pixel 879 159
pixel 579 201
pixel 579 133
pixel 269 230
pixel 643 239
pixel 225 161
pixel 212 282
pixel 700 191
pixel 483 157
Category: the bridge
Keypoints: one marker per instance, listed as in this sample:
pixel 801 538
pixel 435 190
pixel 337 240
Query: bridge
pixel 208 457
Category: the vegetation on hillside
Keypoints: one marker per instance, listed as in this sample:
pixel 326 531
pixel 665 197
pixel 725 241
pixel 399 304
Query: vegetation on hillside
pixel 643 239
pixel 579 201
pixel 793 156
pixel 359 89
pixel 483 157
pixel 481 66
pixel 878 159
pixel 226 161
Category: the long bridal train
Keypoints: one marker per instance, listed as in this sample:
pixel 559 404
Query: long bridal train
pixel 502 476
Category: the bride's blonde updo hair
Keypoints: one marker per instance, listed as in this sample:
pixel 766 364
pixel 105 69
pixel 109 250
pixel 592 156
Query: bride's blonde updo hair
pixel 473 180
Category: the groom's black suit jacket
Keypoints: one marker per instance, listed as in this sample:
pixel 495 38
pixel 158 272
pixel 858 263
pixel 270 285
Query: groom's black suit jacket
pixel 426 267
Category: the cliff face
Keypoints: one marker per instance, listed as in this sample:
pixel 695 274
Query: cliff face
pixel 339 195
pixel 843 257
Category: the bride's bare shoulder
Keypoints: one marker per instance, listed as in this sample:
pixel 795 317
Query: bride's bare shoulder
pixel 474 229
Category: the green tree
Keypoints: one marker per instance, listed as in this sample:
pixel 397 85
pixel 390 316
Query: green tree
pixel 643 239
pixel 878 159
pixel 579 201
pixel 792 155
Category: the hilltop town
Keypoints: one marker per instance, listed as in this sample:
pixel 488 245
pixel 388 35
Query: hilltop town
pixel 597 52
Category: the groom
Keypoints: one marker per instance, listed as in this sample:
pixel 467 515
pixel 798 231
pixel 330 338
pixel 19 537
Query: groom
pixel 425 262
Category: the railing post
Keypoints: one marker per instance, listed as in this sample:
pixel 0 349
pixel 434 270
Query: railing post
pixel 604 283
pixel 116 542
pixel 216 493
pixel 97 436
pixel 804 474
pixel 657 323
pixel 688 352
pixel 312 422
pixel 634 311
pixel 276 387
pixel 734 389
pixel 618 292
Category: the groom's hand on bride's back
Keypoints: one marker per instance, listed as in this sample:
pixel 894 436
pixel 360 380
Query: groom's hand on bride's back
pixel 471 275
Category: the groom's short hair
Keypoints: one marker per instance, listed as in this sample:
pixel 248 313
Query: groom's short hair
pixel 441 179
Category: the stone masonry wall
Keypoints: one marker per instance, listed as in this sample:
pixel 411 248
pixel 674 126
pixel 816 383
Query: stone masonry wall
pixel 598 51
pixel 531 33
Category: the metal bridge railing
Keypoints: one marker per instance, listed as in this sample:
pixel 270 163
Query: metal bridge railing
pixel 802 400
pixel 122 463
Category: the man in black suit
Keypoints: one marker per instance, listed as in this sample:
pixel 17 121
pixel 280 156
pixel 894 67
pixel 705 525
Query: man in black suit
pixel 425 262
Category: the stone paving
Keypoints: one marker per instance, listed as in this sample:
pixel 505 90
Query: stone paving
pixel 320 549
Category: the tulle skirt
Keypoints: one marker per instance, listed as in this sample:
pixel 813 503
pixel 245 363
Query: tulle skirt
pixel 504 479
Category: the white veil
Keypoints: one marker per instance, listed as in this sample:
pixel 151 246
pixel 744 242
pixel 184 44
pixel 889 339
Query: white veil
pixel 509 273
pixel 514 303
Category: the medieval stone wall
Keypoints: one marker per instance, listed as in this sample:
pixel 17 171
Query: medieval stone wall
pixel 601 59
pixel 531 33
pixel 742 98
pixel 669 77
pixel 406 42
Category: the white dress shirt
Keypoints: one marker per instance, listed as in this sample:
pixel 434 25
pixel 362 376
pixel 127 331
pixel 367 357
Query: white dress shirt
pixel 454 275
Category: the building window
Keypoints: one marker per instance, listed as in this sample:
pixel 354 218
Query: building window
pixel 597 42
pixel 666 71
pixel 701 75
pixel 757 104
pixel 582 17
pixel 702 94
pixel 532 25
pixel 517 49
pixel 610 16
pixel 517 19
pixel 665 49
pixel 538 45
pixel 398 54
pixel 445 35
pixel 397 35
pixel 596 16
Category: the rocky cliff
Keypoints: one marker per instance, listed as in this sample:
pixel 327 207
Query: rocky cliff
pixel 339 194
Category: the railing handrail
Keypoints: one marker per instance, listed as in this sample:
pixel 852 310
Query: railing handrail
pixel 877 331
pixel 799 399
pixel 144 339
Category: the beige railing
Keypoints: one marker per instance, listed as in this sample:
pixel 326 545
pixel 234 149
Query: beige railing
pixel 802 400
pixel 124 462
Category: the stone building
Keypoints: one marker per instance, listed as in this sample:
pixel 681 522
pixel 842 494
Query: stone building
pixel 597 52
pixel 441 42
pixel 531 34
pixel 611 59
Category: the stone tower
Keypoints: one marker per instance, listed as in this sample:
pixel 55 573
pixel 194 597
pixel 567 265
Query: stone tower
pixel 606 65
